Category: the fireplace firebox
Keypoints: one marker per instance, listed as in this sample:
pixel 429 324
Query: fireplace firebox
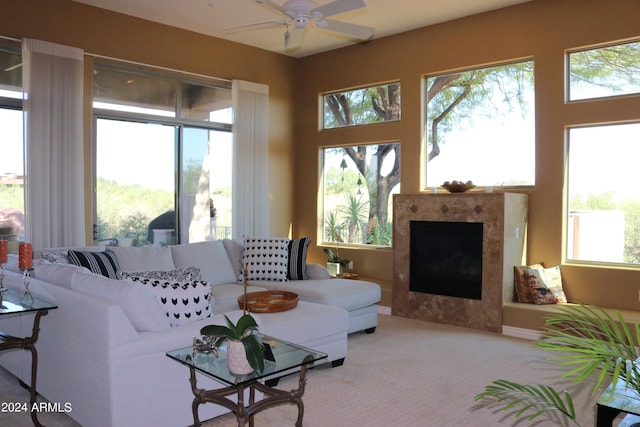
pixel 446 258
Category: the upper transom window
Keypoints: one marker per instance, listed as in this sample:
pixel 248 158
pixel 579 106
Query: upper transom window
pixel 362 106
pixel 604 71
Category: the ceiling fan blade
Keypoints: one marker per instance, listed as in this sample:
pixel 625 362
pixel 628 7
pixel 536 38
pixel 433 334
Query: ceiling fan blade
pixel 339 6
pixel 258 24
pixel 357 31
pixel 272 5
pixel 294 40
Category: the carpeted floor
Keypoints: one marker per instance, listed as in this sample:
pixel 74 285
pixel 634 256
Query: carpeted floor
pixel 408 373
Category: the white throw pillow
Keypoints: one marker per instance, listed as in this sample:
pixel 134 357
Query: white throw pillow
pixel 137 302
pixel 146 258
pixel 210 257
pixel 266 258
pixel 234 248
pixel 182 302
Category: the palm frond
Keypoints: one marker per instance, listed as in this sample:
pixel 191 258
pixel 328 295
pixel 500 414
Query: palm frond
pixel 536 400
pixel 590 340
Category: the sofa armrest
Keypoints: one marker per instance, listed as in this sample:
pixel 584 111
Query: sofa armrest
pixel 317 272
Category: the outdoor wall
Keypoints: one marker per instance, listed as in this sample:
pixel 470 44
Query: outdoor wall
pixel 108 34
pixel 540 29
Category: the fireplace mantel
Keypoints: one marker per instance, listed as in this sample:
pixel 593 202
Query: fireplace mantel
pixel 504 218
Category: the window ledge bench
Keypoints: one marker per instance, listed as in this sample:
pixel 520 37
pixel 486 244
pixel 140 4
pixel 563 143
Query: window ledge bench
pixel 528 320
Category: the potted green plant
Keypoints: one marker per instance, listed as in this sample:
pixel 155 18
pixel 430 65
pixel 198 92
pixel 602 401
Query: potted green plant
pixel 244 346
pixel 335 263
pixel 589 342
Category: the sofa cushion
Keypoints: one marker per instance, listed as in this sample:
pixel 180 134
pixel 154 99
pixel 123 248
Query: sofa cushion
pixel 138 303
pixel 235 248
pixel 57 273
pixel 210 257
pixel 266 258
pixel 104 263
pixel 344 293
pixel 182 302
pixel 226 296
pixel 298 248
pixel 179 274
pixel 145 258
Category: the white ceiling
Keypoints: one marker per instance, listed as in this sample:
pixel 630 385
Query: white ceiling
pixel 211 17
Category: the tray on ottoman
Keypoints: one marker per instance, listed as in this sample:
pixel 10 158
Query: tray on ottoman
pixel 268 301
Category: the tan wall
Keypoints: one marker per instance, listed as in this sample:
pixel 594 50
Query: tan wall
pixel 542 30
pixel 108 34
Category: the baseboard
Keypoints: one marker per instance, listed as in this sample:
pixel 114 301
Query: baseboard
pixel 527 334
pixel 384 310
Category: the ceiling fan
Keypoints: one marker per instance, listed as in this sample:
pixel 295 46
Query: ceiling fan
pixel 300 13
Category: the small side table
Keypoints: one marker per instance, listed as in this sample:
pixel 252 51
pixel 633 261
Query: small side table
pixel 11 305
pixel 287 356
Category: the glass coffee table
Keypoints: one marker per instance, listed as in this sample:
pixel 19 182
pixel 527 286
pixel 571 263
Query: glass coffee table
pixel 287 356
pixel 13 303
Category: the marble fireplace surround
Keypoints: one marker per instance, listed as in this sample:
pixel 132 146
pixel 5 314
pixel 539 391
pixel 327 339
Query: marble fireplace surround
pixel 504 218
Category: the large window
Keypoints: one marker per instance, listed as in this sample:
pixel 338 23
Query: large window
pixel 163 158
pixel 12 210
pixel 362 106
pixel 479 126
pixel 603 216
pixel 604 201
pixel 358 184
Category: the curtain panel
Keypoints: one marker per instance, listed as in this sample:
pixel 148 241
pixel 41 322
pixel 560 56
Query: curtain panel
pixel 250 205
pixel 54 172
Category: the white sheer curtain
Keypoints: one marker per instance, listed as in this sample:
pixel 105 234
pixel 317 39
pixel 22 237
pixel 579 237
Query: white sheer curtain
pixel 53 83
pixel 250 204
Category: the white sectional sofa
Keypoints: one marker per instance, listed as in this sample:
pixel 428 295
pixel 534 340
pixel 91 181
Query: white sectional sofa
pixel 103 350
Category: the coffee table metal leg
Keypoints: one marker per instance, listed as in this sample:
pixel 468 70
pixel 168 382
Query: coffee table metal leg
pixel 273 397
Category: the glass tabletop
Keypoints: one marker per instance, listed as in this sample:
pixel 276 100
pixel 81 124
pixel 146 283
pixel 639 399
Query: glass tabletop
pixel 621 398
pixel 11 303
pixel 287 356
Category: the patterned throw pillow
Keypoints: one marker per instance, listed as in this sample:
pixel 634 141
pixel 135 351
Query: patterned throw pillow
pixel 56 257
pixel 545 285
pixel 183 302
pixel 298 259
pixel 104 263
pixel 266 258
pixel 187 274
pixel 521 284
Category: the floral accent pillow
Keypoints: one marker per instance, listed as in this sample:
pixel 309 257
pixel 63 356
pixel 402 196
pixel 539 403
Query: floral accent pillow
pixel 521 284
pixel 545 285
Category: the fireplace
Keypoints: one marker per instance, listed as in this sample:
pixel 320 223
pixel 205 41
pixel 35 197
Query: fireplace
pixel 446 258
pixel 478 236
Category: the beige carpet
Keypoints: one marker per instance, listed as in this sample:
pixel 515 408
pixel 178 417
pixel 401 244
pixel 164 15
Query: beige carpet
pixel 408 373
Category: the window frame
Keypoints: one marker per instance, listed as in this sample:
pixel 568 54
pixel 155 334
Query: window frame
pixel 178 122
pixel 425 184
pixel 323 103
pixel 322 204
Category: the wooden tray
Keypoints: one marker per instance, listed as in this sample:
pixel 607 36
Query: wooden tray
pixel 269 301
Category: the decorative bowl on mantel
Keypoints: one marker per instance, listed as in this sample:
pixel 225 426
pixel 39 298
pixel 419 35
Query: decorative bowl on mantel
pixel 458 186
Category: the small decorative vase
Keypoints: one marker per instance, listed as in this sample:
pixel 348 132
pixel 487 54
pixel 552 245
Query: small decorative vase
pixel 237 358
pixel 334 268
